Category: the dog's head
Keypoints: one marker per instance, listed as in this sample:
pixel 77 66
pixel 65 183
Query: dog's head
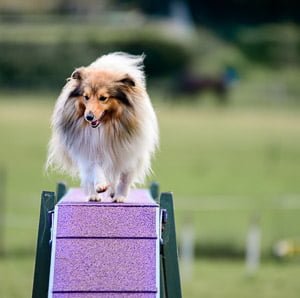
pixel 102 95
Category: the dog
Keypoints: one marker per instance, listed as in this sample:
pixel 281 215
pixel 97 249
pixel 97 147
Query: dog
pixel 104 128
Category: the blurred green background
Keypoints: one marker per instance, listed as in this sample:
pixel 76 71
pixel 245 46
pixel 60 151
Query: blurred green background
pixel 224 79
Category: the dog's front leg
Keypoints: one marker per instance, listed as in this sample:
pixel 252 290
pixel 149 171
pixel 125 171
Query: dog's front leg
pixel 88 176
pixel 123 187
pixel 100 182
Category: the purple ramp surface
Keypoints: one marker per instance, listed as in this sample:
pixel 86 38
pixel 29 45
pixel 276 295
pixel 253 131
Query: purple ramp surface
pixel 105 249
pixel 105 265
pixel 104 295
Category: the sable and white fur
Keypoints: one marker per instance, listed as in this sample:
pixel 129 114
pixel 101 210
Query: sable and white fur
pixel 116 153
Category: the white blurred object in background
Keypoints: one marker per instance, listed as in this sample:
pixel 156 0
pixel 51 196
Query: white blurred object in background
pixel 187 249
pixel 253 246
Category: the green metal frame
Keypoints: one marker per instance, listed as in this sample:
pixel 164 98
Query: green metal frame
pixel 43 247
pixel 170 286
pixel 169 270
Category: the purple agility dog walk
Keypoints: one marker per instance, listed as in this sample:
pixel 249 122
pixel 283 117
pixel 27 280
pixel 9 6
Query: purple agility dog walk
pixel 105 249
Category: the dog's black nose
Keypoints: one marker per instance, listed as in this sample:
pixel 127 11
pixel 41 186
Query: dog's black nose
pixel 89 116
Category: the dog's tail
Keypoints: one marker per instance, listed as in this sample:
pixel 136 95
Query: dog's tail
pixel 58 158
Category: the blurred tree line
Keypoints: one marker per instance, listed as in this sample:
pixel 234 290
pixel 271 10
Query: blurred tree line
pixel 228 11
pixel 36 64
pixel 31 57
pixel 203 11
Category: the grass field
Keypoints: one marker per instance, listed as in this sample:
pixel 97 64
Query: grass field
pixel 227 279
pixel 223 165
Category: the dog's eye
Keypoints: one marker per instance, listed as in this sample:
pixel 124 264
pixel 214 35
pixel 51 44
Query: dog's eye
pixel 86 97
pixel 102 98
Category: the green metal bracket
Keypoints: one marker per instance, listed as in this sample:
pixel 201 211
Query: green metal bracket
pixel 154 190
pixel 61 190
pixel 170 277
pixel 43 248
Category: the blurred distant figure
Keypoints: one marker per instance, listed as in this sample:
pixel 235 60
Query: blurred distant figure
pixel 190 84
pixel 187 248
pixel 253 246
pixel 181 17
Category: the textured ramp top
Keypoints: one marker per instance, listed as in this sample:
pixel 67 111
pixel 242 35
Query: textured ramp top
pixel 136 197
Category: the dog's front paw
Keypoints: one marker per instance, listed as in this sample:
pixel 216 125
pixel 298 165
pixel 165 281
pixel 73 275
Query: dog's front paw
pixel 94 198
pixel 101 188
pixel 119 199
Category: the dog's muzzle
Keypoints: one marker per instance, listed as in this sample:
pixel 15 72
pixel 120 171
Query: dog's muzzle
pixel 91 119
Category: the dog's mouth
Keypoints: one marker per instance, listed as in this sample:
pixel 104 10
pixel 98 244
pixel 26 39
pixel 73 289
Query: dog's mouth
pixel 97 122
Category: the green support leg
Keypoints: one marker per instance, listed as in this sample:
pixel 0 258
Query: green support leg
pixel 43 249
pixel 170 277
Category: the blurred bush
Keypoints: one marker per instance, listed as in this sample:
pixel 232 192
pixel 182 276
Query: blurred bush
pixel 37 63
pixel 273 44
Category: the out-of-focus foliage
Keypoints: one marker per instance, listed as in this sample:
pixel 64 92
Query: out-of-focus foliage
pixel 46 62
pixel 274 45
pixel 228 11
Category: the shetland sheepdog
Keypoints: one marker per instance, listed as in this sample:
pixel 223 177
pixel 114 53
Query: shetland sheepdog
pixel 104 128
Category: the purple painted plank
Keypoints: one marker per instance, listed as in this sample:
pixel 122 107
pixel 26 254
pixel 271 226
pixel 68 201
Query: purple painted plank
pixel 105 265
pixel 104 295
pixel 106 221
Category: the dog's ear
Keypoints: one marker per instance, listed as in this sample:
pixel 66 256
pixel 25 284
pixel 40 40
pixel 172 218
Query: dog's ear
pixel 77 74
pixel 127 81
pixel 80 108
